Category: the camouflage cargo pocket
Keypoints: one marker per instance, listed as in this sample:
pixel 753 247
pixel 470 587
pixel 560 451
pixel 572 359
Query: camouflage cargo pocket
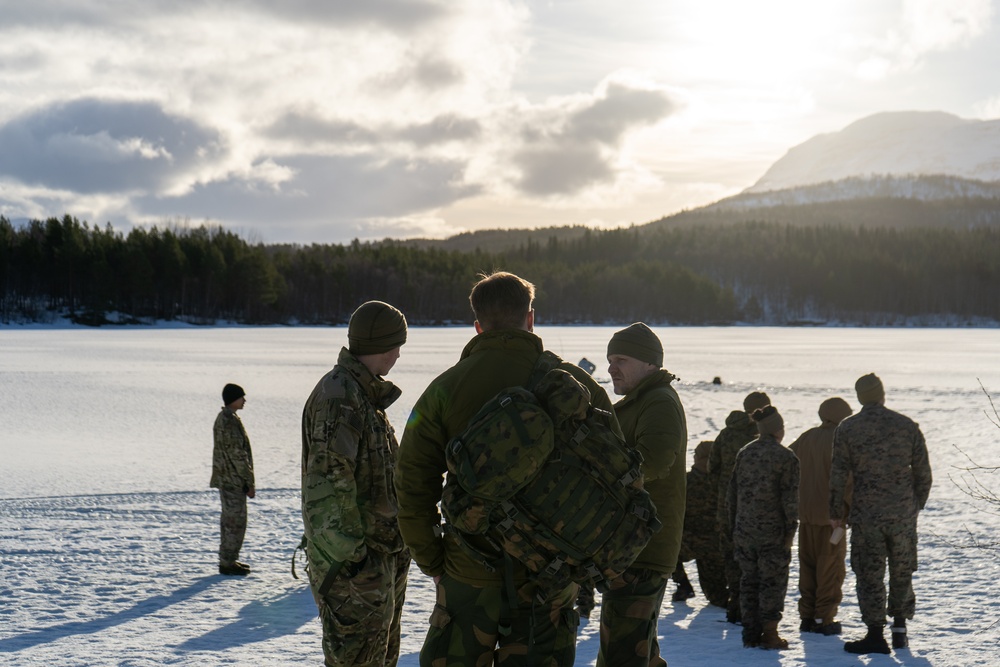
pixel 437 644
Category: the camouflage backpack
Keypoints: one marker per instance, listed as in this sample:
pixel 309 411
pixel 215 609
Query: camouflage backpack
pixel 539 475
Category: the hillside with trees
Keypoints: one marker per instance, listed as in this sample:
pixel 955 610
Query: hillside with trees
pixel 761 272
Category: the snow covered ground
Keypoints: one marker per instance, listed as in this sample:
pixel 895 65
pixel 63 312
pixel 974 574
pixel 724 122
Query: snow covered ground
pixel 108 531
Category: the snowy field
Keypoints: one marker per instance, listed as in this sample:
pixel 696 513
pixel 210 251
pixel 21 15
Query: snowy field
pixel 108 531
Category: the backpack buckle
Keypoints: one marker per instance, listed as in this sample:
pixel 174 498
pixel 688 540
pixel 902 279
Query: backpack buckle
pixel 554 566
pixel 629 477
pixel 640 512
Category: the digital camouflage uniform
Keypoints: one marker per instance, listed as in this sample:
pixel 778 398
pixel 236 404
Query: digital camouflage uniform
pixel 232 475
pixel 738 432
pixel 822 565
pixel 701 537
pixel 357 563
pixel 763 514
pixel 652 419
pixel 886 454
pixel 465 625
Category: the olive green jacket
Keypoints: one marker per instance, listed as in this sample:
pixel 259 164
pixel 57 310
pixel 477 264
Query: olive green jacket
pixel 492 361
pixel 652 419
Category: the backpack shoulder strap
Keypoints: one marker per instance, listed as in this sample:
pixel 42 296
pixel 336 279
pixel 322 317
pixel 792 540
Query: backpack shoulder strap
pixel 546 362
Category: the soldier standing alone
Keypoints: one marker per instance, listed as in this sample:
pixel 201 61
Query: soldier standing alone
pixel 357 563
pixel 232 475
pixel 886 454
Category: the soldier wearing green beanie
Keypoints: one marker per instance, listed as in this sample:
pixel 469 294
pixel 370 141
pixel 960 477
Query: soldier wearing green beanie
pixel 652 419
pixel 357 563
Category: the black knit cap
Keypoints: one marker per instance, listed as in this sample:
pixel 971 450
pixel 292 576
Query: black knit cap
pixel 232 392
pixel 376 327
pixel 639 342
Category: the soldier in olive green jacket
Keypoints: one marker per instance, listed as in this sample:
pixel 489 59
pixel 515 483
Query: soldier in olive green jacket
pixel 357 563
pixel 466 622
pixel 652 420
pixel 232 475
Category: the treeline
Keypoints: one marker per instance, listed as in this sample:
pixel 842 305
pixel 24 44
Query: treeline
pixel 750 272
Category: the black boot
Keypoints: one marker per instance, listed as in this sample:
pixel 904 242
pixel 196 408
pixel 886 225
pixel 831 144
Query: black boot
pixel 752 635
pixel 873 642
pixel 899 639
pixel 684 592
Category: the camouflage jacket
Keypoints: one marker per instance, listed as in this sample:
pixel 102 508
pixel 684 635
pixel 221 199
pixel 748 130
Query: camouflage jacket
pixel 764 493
pixel 232 460
pixel 491 361
pixel 887 455
pixel 815 451
pixel 701 525
pixel 739 431
pixel 652 420
pixel 348 455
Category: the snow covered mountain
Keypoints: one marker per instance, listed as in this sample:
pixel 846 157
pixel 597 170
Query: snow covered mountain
pixel 901 144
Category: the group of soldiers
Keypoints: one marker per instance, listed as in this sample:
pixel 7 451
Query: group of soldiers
pixel 370 504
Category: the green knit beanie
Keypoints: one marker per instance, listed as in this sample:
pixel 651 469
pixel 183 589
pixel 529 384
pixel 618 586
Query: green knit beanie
pixel 376 327
pixel 870 389
pixel 834 410
pixel 755 400
pixel 769 421
pixel 639 342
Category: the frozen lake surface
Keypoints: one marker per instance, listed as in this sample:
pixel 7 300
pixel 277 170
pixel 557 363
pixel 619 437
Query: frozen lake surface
pixel 108 532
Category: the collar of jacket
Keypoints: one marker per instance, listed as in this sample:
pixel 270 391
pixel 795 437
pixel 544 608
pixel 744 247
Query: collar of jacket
pixel 651 381
pixel 514 340
pixel 380 392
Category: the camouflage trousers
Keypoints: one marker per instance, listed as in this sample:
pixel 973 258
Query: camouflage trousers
pixel 466 629
pixel 629 613
pixel 711 572
pixel 361 614
pixel 764 582
pixel 232 525
pixel 821 573
pixel 734 574
pixel 871 547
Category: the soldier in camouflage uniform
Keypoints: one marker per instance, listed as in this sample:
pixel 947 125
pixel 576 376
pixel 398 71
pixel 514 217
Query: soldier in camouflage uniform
pixel 739 431
pixel 701 535
pixel 821 564
pixel 356 560
pixel 763 515
pixel 232 475
pixel 477 618
pixel 652 419
pixel 886 454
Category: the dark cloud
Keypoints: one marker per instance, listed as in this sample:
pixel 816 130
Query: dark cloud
pixel 582 150
pixel 555 170
pixel 396 15
pixel 324 189
pixel 103 146
pixel 311 129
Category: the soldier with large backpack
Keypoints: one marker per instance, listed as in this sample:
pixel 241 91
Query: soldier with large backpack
pixel 491 605
pixel 652 419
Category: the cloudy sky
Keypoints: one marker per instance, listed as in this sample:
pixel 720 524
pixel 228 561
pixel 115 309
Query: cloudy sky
pixel 326 120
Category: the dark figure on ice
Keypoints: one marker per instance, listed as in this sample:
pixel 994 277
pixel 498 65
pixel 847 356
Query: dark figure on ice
pixel 652 419
pixel 357 563
pixel 886 454
pixel 739 431
pixel 701 535
pixel 821 560
pixel 232 475
pixel 763 515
